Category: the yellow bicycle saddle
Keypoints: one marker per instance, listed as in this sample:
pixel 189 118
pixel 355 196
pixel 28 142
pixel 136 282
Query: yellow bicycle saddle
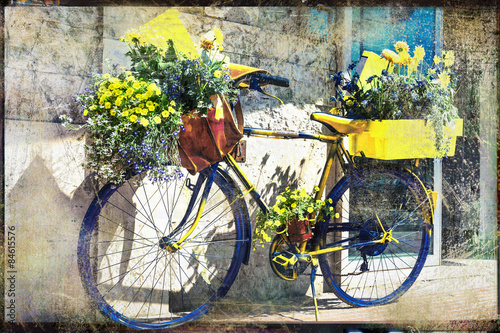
pixel 340 124
pixel 239 71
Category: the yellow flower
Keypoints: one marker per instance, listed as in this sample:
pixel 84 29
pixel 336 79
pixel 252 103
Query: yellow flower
pixel 401 47
pixel 132 37
pixel 419 53
pixel 436 59
pixel 144 122
pixel 390 56
pixel 445 79
pixel 136 85
pixel 310 209
pixel 448 58
pixel 157 119
pixel 404 58
pixel 413 65
pixel 335 111
pixel 282 211
pixel 129 92
pixel 118 101
pixel 149 104
pixel 219 37
pixel 152 87
pixel 276 209
pixel 133 118
pixel 107 105
pixel 172 103
pixel 316 188
pixel 165 113
pixel 206 44
pixel 144 112
pixel 217 73
pixel 85 112
pixel 349 100
pixel 294 205
pixel 125 113
pixel 112 112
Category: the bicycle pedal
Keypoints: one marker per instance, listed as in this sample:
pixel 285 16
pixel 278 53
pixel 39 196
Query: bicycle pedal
pixel 285 259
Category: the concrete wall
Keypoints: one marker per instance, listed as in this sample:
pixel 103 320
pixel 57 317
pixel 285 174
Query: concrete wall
pixel 49 53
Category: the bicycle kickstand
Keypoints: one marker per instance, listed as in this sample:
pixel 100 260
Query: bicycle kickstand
pixel 313 275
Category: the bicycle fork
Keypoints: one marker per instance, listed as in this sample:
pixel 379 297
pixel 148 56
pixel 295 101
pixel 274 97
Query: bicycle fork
pixel 167 242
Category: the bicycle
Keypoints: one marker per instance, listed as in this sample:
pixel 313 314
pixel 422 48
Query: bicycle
pixel 157 255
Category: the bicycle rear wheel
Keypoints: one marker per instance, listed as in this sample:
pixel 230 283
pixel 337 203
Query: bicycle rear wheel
pixel 127 266
pixel 376 198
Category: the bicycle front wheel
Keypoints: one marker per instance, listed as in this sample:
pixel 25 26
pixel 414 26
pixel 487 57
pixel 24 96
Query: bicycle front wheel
pixel 371 270
pixel 125 260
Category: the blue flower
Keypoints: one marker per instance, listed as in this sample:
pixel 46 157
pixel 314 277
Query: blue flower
pixel 370 79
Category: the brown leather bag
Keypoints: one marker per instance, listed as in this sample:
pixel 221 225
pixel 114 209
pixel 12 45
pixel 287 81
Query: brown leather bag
pixel 206 140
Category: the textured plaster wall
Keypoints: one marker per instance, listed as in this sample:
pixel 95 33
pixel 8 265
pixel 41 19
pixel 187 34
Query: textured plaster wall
pixel 49 53
pixel 470 178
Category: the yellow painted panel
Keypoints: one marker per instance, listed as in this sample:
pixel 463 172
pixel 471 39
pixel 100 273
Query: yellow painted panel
pixel 169 26
pixel 400 139
pixel 374 65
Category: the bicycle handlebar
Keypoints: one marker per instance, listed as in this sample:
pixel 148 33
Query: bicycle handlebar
pixel 274 80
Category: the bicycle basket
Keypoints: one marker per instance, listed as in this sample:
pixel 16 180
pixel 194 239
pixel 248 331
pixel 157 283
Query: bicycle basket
pixel 206 140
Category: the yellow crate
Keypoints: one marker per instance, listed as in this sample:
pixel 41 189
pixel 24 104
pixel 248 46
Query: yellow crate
pixel 400 139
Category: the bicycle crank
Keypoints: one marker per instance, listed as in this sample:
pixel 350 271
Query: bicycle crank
pixel 288 265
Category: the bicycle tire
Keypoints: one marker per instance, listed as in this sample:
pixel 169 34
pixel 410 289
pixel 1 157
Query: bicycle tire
pixel 380 273
pixel 124 262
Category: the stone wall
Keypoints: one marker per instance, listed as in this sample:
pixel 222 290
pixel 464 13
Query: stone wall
pixel 49 54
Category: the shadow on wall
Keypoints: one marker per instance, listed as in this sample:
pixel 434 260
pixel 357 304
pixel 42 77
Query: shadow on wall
pixel 47 224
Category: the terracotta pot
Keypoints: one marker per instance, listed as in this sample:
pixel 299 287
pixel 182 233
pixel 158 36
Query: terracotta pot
pixel 299 230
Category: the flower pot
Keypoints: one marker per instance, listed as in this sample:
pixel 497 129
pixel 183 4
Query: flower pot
pixel 299 230
pixel 401 139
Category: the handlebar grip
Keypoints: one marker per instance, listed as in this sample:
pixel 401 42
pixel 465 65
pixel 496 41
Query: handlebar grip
pixel 274 80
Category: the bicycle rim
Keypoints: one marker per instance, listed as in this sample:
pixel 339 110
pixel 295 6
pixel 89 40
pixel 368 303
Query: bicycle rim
pixel 378 197
pixel 125 262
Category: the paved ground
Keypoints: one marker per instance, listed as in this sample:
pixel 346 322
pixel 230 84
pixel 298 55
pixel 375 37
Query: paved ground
pixel 458 295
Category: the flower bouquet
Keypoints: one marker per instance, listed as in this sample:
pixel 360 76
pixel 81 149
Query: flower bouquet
pixel 135 116
pixel 294 213
pixel 405 89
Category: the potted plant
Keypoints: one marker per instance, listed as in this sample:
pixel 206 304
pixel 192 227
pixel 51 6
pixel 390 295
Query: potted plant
pixel 134 116
pixel 294 213
pixel 409 107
